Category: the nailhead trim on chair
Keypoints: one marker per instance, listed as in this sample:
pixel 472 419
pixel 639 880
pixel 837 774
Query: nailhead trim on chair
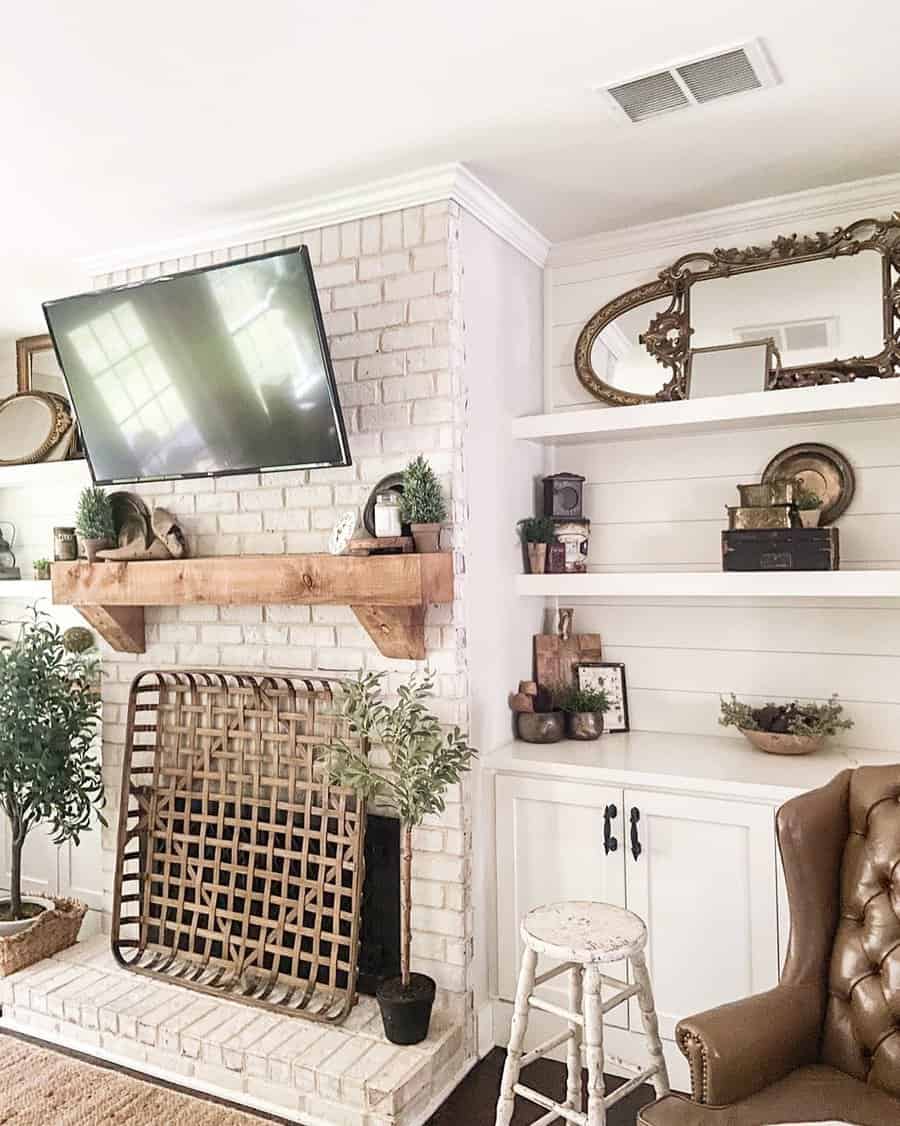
pixel 699 1083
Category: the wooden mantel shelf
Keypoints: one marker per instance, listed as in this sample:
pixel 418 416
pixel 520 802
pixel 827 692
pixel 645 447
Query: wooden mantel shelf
pixel 388 593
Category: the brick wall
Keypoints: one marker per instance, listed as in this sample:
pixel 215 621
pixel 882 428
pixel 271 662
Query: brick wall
pixel 389 287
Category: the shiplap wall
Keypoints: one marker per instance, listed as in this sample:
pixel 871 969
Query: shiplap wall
pixel 659 505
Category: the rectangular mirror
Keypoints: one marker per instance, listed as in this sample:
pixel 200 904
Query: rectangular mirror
pixel 730 369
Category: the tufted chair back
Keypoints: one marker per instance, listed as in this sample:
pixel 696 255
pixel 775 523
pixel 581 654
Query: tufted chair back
pixel 861 1033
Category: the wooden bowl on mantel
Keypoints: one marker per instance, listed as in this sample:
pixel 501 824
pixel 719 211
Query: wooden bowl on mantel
pixel 775 744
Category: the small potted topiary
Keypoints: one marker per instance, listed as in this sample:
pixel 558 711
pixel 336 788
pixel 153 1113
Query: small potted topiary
pixel 423 760
pixel 809 506
pixel 536 532
pixel 49 769
pixel 423 506
pixel 41 570
pixel 94 521
pixel 794 728
pixel 584 709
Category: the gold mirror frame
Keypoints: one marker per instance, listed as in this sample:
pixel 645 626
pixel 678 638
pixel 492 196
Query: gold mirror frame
pixel 668 334
pixel 26 347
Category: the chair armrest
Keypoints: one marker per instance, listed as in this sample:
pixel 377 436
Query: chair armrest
pixel 738 1049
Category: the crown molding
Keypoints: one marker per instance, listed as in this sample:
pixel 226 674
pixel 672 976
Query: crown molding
pixel 875 198
pixel 429 185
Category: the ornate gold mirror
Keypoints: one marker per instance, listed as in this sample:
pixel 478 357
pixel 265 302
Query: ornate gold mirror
pixel 840 299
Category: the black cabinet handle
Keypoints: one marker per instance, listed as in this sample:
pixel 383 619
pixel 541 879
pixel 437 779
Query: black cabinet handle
pixel 636 848
pixel 610 844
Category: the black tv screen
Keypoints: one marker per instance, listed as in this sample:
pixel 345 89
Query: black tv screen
pixel 211 371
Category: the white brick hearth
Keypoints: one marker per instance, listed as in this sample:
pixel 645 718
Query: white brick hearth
pixel 303 1071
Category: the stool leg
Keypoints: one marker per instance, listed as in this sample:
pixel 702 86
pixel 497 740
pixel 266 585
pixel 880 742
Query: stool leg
pixel 593 1047
pixel 573 1051
pixel 651 1024
pixel 506 1101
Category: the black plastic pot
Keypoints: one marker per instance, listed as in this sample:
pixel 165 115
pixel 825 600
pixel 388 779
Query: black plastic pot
pixel 406 1013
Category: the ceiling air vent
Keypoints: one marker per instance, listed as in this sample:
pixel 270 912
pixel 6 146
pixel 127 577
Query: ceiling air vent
pixel 697 82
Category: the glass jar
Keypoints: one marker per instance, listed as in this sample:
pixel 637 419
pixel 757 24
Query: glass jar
pixel 387 515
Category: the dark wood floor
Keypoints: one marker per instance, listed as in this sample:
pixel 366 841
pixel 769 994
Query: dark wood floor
pixel 474 1101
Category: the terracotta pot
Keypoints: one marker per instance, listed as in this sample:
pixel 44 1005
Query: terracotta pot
pixel 540 727
pixel 774 744
pixel 427 537
pixel 537 558
pixel 809 517
pixel 584 725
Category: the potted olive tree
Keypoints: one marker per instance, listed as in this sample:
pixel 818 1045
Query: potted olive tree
pixel 423 506
pixel 94 521
pixel 423 761
pixel 49 771
pixel 536 534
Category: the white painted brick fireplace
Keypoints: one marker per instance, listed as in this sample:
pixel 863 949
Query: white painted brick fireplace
pixel 419 370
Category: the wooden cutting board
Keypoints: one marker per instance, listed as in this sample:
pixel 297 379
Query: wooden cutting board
pixel 555 659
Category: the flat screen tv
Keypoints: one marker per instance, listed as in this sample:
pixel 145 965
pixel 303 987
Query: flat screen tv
pixel 211 371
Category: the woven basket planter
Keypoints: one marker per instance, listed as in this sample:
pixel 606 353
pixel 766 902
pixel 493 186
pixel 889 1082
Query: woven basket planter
pixel 53 930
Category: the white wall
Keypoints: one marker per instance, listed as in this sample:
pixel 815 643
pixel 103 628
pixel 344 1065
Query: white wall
pixel 659 505
pixel 501 294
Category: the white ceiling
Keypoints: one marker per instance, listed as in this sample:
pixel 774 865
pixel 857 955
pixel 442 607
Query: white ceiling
pixel 123 124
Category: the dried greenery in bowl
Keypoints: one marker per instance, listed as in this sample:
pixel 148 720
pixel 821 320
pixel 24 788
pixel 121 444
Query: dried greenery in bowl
pixel 793 718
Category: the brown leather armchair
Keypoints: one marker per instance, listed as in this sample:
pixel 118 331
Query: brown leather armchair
pixel 825 1043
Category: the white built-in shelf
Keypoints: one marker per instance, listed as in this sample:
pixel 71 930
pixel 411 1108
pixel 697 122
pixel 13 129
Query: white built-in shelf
pixel 720 764
pixel 21 590
pixel 43 473
pixel 867 398
pixel 713 584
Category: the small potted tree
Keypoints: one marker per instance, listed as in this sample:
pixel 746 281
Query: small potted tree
pixel 94 521
pixel 536 533
pixel 423 761
pixel 423 506
pixel 49 771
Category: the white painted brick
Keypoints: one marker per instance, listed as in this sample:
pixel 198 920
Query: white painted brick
pixel 436 867
pixel 240 522
pixel 257 500
pixel 412 336
pixel 358 394
pixel 412 226
pixel 429 309
pixel 411 440
pixel 383 265
pixel 301 543
pixel 437 228
pixel 432 410
pixel 287 520
pixel 377 367
pixel 221 635
pixel 380 417
pixel 331 244
pixel 263 543
pixel 392 231
pixel 341 322
pixel 340 273
pixel 290 656
pixel 371 235
pixel 357 344
pixel 217 502
pixel 407 387
pixel 308 496
pixel 350 239
pixel 430 257
pixel 340 660
pixel 428 359
pixel 381 315
pixel 352 296
pixel 409 285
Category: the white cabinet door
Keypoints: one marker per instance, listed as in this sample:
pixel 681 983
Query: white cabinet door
pixel 704 882
pixel 550 846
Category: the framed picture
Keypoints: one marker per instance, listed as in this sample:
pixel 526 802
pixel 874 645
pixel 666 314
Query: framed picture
pixel 730 369
pixel 610 677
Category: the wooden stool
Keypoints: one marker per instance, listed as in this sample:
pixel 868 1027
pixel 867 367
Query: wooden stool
pixel 582 936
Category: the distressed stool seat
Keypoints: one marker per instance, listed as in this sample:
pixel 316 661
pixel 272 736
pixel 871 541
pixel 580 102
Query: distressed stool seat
pixel 582 936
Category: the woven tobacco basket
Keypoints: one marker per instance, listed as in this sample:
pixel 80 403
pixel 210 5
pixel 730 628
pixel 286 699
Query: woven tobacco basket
pixel 240 867
pixel 53 930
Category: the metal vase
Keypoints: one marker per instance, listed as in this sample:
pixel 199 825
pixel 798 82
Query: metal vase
pixel 537 558
pixel 584 725
pixel 540 727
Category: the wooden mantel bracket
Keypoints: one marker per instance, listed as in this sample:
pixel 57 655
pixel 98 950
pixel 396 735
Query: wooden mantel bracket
pixel 387 593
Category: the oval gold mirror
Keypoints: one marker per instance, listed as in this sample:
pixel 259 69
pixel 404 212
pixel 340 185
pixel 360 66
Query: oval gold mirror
pixel 33 427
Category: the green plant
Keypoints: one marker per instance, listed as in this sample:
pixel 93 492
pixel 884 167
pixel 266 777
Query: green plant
pixel 49 717
pixel 41 564
pixel 536 529
pixel 423 760
pixel 574 700
pixel 423 501
pixel 94 518
pixel 794 718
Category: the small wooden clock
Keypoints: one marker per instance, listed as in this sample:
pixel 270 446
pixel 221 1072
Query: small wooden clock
pixel 562 495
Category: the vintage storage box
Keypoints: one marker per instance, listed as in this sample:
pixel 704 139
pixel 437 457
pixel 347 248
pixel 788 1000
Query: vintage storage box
pixel 781 549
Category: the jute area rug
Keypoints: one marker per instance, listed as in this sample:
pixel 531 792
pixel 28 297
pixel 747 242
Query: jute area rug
pixel 40 1087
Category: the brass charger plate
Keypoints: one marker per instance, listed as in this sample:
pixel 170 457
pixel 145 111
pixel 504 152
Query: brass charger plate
pixel 822 469
pixel 131 519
